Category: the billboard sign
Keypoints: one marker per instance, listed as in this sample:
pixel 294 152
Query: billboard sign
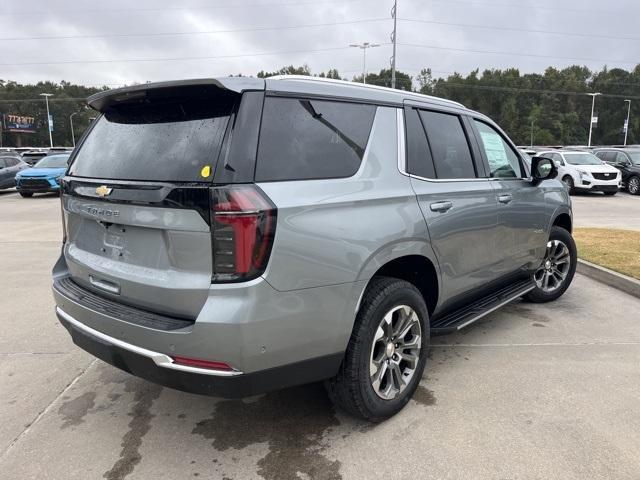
pixel 19 123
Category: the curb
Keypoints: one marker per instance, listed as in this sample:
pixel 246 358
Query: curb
pixel 609 277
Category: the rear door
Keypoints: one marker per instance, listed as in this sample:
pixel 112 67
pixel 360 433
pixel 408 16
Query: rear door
pixel 136 199
pixel 455 197
pixel 521 205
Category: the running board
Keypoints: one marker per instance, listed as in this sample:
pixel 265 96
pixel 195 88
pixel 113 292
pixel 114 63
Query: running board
pixel 468 314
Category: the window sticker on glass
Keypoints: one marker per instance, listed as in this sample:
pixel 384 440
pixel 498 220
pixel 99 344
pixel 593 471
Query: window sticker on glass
pixel 494 148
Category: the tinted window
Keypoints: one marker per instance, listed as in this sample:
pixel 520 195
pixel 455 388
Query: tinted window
pixel 419 161
pixel 305 139
pixel 449 146
pixel 503 161
pixel 163 140
pixel 621 158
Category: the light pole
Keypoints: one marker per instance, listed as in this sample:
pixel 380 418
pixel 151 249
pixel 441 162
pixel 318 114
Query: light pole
pixel 363 47
pixel 73 136
pixel 626 124
pixel 46 99
pixel 593 104
pixel 532 120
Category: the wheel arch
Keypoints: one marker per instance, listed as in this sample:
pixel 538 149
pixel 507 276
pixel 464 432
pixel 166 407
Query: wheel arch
pixel 417 269
pixel 563 219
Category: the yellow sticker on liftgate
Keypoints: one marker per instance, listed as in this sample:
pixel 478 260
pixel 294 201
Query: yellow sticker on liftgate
pixel 206 171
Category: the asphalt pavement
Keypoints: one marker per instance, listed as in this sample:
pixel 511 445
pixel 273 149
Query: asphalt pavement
pixel 530 392
pixel 597 210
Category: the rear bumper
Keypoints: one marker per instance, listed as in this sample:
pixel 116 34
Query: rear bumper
pixel 273 339
pixel 159 368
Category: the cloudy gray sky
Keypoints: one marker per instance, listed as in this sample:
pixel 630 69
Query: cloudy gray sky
pixel 114 42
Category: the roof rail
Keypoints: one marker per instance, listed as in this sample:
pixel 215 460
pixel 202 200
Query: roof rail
pixel 309 78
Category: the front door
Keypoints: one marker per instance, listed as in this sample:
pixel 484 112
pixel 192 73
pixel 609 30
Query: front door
pixel 521 205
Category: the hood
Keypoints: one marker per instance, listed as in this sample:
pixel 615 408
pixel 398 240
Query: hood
pixel 604 168
pixel 42 172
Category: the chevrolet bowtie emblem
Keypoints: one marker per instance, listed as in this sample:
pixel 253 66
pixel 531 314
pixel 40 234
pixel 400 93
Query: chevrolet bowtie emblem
pixel 103 191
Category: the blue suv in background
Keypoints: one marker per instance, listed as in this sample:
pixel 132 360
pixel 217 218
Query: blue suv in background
pixel 44 175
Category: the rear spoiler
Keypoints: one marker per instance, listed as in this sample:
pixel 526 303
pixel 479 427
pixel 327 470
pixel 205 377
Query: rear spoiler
pixel 104 100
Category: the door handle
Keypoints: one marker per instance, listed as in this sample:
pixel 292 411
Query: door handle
pixel 440 206
pixel 505 198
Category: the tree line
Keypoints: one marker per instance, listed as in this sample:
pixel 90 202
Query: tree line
pixel 550 108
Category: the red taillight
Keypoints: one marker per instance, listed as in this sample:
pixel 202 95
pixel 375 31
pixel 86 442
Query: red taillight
pixel 243 223
pixel 196 362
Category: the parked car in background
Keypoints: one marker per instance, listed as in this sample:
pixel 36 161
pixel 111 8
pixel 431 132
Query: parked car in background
pixel 44 175
pixel 10 165
pixel 583 171
pixel 237 235
pixel 627 160
pixel 33 156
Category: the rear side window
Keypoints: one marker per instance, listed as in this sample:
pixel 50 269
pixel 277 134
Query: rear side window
pixel 166 140
pixel 419 161
pixel 449 146
pixel 302 139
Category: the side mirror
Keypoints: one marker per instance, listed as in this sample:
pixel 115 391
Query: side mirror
pixel 542 169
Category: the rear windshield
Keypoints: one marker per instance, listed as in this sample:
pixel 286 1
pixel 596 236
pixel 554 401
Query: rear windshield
pixel 166 140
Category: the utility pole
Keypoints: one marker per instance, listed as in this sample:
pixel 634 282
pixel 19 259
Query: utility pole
pixel 593 104
pixel 626 124
pixel 363 47
pixel 46 99
pixel 394 15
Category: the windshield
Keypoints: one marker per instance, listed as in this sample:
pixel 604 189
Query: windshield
pixel 635 157
pixel 176 140
pixel 582 159
pixel 53 161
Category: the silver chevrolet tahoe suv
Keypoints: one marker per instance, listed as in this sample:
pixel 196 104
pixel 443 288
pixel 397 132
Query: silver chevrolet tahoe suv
pixel 238 235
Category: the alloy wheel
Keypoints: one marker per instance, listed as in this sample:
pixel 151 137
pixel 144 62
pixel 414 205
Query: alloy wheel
pixel 634 185
pixel 395 352
pixel 555 267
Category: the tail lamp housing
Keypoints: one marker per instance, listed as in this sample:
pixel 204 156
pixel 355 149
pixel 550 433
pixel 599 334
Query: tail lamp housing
pixel 243 225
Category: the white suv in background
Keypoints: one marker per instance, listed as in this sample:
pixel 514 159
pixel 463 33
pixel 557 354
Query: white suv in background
pixel 583 171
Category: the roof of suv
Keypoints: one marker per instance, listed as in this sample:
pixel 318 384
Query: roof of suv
pixel 283 83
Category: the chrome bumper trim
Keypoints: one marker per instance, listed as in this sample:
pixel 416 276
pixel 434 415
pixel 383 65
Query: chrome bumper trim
pixel 160 359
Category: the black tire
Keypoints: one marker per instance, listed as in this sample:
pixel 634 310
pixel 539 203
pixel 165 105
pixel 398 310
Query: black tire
pixel 351 389
pixel 538 295
pixel 633 185
pixel 26 194
pixel 568 181
pixel 610 194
